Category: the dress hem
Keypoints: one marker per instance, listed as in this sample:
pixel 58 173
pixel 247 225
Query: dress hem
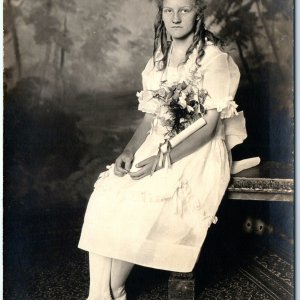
pixel 172 258
pixel 138 263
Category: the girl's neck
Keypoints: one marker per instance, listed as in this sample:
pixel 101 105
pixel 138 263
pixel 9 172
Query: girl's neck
pixel 181 45
pixel 178 51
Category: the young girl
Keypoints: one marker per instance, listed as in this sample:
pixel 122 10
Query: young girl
pixel 156 215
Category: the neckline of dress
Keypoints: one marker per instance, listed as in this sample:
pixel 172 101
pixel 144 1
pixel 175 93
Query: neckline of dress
pixel 169 59
pixel 164 75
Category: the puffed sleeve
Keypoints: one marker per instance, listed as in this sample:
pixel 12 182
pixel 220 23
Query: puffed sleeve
pixel 147 103
pixel 220 80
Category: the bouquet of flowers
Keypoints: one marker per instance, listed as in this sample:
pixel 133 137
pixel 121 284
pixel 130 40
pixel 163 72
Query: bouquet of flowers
pixel 184 102
pixel 185 110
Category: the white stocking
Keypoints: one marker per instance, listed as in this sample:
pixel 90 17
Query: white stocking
pixel 119 273
pixel 120 293
pixel 100 269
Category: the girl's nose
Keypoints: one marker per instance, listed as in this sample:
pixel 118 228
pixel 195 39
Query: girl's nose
pixel 176 18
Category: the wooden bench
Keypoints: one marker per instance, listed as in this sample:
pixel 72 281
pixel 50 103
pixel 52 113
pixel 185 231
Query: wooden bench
pixel 270 181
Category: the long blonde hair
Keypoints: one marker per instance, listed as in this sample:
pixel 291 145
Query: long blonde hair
pixel 201 35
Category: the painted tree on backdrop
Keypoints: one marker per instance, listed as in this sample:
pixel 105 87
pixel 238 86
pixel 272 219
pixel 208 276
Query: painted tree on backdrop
pixel 269 13
pixel 96 40
pixel 261 30
pixel 264 42
pixel 140 48
pixel 12 12
pixel 255 34
pixel 102 37
pixel 50 21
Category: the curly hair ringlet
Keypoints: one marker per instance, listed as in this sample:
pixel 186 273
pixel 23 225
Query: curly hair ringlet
pixel 201 35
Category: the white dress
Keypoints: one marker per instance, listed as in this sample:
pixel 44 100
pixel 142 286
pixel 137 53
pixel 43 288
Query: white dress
pixel 161 221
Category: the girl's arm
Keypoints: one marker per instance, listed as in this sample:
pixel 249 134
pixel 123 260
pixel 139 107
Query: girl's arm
pixel 124 161
pixel 188 146
pixel 198 138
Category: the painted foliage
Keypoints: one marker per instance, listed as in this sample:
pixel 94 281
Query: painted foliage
pixel 72 69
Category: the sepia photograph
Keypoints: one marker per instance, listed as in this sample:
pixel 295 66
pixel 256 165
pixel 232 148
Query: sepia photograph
pixel 148 150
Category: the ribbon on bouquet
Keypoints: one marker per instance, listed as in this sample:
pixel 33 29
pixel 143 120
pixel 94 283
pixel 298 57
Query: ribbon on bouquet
pixel 163 155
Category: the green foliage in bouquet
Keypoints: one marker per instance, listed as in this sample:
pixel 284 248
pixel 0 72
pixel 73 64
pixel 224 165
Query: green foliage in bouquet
pixel 184 102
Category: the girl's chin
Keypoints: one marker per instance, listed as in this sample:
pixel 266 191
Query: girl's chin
pixel 179 36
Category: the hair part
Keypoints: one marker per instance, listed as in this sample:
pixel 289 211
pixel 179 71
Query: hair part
pixel 201 36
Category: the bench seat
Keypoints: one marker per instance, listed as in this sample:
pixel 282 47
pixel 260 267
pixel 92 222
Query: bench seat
pixel 270 181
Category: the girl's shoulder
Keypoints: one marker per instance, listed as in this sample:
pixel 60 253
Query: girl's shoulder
pixel 211 53
pixel 212 48
pixel 149 66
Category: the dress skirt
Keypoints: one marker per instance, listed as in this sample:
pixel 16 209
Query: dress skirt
pixel 159 221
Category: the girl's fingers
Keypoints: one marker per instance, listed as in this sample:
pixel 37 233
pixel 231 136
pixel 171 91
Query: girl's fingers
pixel 136 174
pixel 139 174
pixel 144 162
pixel 141 164
pixel 118 170
pixel 121 171
pixel 139 177
pixel 128 164
pixel 117 173
pixel 118 165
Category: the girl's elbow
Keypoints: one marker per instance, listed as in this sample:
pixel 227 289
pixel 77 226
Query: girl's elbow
pixel 211 131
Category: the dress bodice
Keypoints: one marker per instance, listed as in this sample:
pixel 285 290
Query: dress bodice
pixel 220 78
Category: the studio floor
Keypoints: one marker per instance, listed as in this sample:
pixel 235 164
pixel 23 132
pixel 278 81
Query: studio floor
pixel 266 276
pixel 230 267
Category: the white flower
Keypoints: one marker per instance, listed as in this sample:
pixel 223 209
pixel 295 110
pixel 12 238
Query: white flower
pixel 195 90
pixel 196 97
pixel 162 92
pixel 189 89
pixel 166 89
pixel 182 101
pixel 164 112
pixel 193 69
pixel 189 109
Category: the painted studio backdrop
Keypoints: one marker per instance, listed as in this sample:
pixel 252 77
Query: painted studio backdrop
pixel 72 69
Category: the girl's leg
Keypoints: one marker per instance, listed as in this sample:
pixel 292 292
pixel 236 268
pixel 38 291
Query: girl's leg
pixel 119 273
pixel 100 270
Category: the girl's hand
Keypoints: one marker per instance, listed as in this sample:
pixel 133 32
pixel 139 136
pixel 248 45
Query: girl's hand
pixel 123 163
pixel 146 166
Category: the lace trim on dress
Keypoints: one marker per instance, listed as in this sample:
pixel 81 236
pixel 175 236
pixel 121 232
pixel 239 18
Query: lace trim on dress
pixel 227 106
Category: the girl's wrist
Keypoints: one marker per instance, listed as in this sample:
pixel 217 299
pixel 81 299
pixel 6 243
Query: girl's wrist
pixel 128 150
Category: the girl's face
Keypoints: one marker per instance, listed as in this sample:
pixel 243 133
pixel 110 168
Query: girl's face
pixel 179 17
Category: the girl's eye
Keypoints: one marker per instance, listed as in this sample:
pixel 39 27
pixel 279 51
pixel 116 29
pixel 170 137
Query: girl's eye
pixel 185 10
pixel 167 10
